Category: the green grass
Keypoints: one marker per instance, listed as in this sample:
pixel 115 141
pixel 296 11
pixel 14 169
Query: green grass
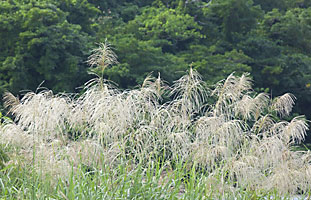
pixel 122 182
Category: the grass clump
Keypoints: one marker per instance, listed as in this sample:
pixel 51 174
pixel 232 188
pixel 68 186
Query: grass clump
pixel 223 141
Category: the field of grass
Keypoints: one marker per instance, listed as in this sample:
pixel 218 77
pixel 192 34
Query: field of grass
pixel 124 181
pixel 185 141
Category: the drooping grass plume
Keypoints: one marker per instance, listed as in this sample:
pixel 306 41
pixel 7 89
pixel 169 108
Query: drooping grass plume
pixel 102 57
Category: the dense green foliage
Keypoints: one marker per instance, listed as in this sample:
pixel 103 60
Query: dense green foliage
pixel 38 44
pixel 51 40
pixel 121 182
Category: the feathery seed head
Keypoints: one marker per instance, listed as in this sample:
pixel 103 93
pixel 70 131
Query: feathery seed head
pixel 103 56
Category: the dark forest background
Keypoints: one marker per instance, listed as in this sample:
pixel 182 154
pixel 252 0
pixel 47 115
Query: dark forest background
pixel 50 41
